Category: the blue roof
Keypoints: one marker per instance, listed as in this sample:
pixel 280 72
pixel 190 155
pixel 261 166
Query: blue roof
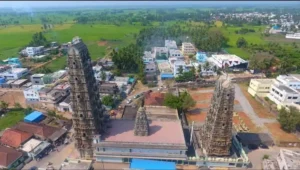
pixel 131 80
pixel 33 116
pixel 152 165
pixel 166 75
pixel 201 57
pixel 276 27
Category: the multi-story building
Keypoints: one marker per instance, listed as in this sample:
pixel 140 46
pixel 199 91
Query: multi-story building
pixel 283 95
pixel 32 51
pixel 176 53
pixel 88 112
pixel 292 80
pixel 171 44
pixel 260 87
pixel 228 61
pixel 161 53
pixel 150 68
pixel 13 73
pixel 148 57
pixel 37 79
pixel 188 48
pixel 31 94
pixel 177 65
pixel 288 160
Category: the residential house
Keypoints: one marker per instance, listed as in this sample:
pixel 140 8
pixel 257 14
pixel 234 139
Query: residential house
pixel 150 68
pixel 175 53
pixel 40 131
pixel 12 159
pixel 260 87
pixel 65 105
pixel 108 89
pixel 13 62
pixel 283 95
pixel 201 57
pixel 188 48
pixel 51 97
pixel 148 57
pixel 177 65
pixel 19 83
pixel 228 61
pixel 34 148
pixel 14 138
pixel 32 51
pixel 13 73
pixel 37 79
pixel 161 53
pixel 292 80
pixel 171 44
pixel 31 94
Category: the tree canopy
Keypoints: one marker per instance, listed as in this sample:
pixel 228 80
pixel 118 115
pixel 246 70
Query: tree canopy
pixel 108 100
pixel 182 102
pixel 38 39
pixel 289 119
pixel 241 42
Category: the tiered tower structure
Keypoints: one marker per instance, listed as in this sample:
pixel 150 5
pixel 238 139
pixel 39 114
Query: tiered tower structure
pixel 141 126
pixel 88 113
pixel 216 133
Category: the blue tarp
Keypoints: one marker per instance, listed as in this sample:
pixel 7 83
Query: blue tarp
pixel 144 164
pixel 201 57
pixel 2 80
pixel 34 117
pixel 131 80
pixel 166 75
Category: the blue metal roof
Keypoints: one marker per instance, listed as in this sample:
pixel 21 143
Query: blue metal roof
pixel 166 75
pixel 33 116
pixel 152 164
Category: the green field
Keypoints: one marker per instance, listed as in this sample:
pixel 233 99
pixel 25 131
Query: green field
pixel 16 37
pixel 11 118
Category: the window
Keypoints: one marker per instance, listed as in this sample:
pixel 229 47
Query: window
pixel 78 96
pixel 84 135
pixel 295 97
pixel 289 97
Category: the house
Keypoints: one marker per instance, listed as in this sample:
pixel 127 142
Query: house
pixel 150 68
pixel 288 160
pixel 65 105
pixel 292 80
pixel 171 44
pixel 32 51
pixel 36 148
pixel 228 61
pixel 31 94
pixel 177 65
pixel 38 130
pixel 148 57
pixel 34 117
pixel 37 79
pixel 161 53
pixel 283 95
pixel 14 138
pixel 14 73
pixel 12 159
pixel 260 87
pixel 19 83
pixel 14 62
pixel 188 48
pixel 7 84
pixel 175 53
pixel 108 88
pixel 201 57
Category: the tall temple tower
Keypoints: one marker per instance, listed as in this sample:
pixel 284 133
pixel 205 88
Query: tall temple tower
pixel 141 126
pixel 216 134
pixel 88 113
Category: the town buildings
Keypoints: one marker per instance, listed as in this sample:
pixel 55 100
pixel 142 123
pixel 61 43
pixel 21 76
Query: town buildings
pixel 188 48
pixel 88 113
pixel 10 73
pixel 260 87
pixel 33 51
pixel 228 61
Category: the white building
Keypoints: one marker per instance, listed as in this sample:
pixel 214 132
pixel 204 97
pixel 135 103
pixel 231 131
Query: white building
pixel 32 51
pixel 175 53
pixel 260 87
pixel 171 44
pixel 177 65
pixel 14 73
pixel 148 57
pixel 228 61
pixel 188 48
pixel 293 36
pixel 283 95
pixel 288 160
pixel 32 93
pixel 150 68
pixel 292 81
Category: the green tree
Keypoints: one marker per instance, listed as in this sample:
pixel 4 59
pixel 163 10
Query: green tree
pixel 187 101
pixel 103 75
pixel 289 119
pixel 4 105
pixel 172 101
pixel 180 69
pixel 182 102
pixel 241 42
pixel 108 100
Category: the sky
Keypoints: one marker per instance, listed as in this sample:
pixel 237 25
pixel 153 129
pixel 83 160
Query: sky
pixel 35 4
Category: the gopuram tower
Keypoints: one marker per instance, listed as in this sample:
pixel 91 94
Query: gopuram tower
pixel 88 113
pixel 216 133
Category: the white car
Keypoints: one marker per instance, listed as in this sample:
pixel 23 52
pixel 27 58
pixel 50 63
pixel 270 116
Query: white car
pixel 129 101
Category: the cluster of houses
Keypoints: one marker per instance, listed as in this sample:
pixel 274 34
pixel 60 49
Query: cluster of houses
pixel 33 138
pixel 34 52
pixel 284 91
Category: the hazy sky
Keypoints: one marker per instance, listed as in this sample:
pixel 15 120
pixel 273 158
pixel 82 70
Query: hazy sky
pixel 20 4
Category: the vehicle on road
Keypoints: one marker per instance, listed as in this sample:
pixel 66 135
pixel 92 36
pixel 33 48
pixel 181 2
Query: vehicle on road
pixel 137 96
pixel 129 101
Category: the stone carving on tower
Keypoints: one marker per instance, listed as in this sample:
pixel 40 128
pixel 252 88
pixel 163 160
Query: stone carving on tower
pixel 216 133
pixel 141 126
pixel 88 112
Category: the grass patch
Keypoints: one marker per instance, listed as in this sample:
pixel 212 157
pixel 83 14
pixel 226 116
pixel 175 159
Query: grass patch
pixel 57 64
pixel 11 118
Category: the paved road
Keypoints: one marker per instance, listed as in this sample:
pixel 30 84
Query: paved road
pixel 56 158
pixel 249 110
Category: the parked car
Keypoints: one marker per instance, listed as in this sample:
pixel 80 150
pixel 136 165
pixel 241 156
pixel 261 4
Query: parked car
pixel 129 101
pixel 137 96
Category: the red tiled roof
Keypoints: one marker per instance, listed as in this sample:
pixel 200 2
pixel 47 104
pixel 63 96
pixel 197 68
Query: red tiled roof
pixel 154 99
pixel 39 130
pixel 8 156
pixel 14 137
